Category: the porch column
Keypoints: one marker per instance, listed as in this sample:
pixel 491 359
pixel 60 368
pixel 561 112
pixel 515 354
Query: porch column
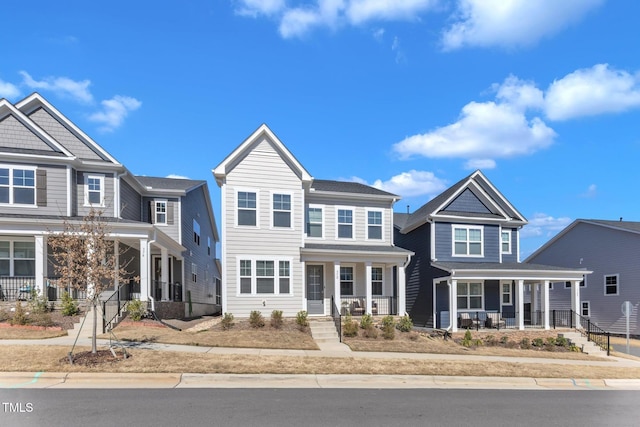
pixel 520 317
pixel 453 304
pixel 368 288
pixel 116 267
pixel 575 302
pixel 41 263
pixel 144 270
pixel 164 273
pixel 534 303
pixel 402 291
pixel 545 303
pixel 336 285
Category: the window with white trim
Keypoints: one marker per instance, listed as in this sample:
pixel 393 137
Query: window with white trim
pixel 585 309
pixel 567 285
pixel 196 232
pixel 376 281
pixel 245 276
pixel 282 210
pixel 506 241
pixel 346 281
pixel 470 296
pixel 17 186
pixel 284 277
pixel 160 211
pixel 17 258
pixel 374 225
pixel 314 222
pixel 94 190
pixel 264 276
pixel 467 240
pixel 247 208
pixel 194 272
pixel 507 296
pixel 611 284
pixel 345 224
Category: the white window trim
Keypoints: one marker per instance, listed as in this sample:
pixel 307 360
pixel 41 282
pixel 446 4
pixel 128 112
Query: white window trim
pixel 472 310
pixel 12 258
pixel 353 222
pixel 466 227
pixel 382 229
pixel 588 308
pixel 502 293
pixel 353 269
pixel 236 207
pixel 100 177
pixel 254 277
pixel 382 280
pixel 273 193
pixel 12 186
pixel 323 209
pixel 155 210
pixel 509 251
pixel 604 282
pixel 196 225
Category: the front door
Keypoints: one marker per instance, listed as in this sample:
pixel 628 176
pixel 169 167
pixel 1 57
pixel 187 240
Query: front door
pixel 315 289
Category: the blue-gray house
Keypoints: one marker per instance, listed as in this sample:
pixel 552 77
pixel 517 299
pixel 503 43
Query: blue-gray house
pixel 466 267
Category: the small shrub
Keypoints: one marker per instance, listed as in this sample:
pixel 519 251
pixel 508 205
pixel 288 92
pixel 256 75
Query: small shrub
pixel 255 319
pixel 276 319
pixel 42 319
pixel 537 342
pixel 19 315
pixel 366 321
pixel 388 331
pixel 69 305
pixel 525 343
pixel 371 332
pixel 301 320
pixel 227 321
pixel 38 303
pixel 405 324
pixel 574 348
pixel 504 339
pixel 477 342
pixel 467 340
pixel 136 310
pixel 562 342
pixel 491 340
pixel 350 327
pixel 551 341
pixel 388 321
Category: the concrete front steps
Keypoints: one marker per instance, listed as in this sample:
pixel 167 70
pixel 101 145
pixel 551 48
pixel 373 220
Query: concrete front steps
pixel 580 341
pixel 324 333
pixel 86 330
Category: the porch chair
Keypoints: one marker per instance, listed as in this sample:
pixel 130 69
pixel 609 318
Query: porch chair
pixel 495 321
pixel 467 322
pixel 357 309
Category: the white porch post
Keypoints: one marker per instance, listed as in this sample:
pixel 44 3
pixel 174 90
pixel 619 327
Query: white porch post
pixel 164 273
pixel 520 304
pixel 534 303
pixel 575 302
pixel 402 291
pixel 336 285
pixel 368 287
pixel 116 267
pixel 144 270
pixel 544 294
pixel 41 263
pixel 453 304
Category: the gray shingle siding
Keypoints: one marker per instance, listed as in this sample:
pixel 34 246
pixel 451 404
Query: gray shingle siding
pixel 13 134
pixel 56 192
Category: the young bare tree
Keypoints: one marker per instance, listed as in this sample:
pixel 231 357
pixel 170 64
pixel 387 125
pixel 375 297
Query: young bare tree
pixel 86 259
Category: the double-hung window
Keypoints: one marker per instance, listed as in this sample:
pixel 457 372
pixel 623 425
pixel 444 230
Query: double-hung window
pixel 470 296
pixel 376 280
pixel 374 225
pixel 345 224
pixel 161 211
pixel 506 241
pixel 94 190
pixel 264 276
pixel 314 222
pixel 247 208
pixel 17 258
pixel 611 284
pixel 282 210
pixel 17 186
pixel 507 296
pixel 194 272
pixel 586 309
pixel 285 277
pixel 245 276
pixel 467 240
pixel 346 280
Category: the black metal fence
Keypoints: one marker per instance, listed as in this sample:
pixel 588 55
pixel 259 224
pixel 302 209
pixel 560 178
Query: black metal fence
pixel 509 319
pixel 380 305
pixel 113 307
pixel 16 288
pixel 337 318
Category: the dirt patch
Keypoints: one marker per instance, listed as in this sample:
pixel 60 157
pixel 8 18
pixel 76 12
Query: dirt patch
pixel 100 358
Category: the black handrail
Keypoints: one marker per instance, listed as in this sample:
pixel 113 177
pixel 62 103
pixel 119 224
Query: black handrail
pixel 121 296
pixel 595 334
pixel 337 318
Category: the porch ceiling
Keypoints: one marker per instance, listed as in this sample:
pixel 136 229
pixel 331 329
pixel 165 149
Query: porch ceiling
pixel 511 271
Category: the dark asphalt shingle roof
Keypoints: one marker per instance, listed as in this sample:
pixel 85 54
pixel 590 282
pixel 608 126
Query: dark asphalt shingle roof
pixel 626 225
pixel 348 187
pixel 158 183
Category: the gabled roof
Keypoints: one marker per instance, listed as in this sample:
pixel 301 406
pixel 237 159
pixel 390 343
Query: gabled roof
pixel 498 207
pixel 243 149
pixel 153 183
pixel 624 226
pixel 327 186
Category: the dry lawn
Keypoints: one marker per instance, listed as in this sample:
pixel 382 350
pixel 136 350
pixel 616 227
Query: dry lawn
pixel 23 334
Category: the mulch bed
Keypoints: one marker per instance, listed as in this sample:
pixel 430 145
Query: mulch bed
pixel 100 358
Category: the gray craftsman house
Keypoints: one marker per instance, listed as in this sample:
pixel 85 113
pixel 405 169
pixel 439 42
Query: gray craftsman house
pixel 611 249
pixel 51 172
pixel 291 242
pixel 466 271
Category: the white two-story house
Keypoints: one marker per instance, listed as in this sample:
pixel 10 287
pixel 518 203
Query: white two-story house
pixel 291 242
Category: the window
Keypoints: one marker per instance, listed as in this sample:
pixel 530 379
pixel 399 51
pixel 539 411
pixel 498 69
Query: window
pixel 346 280
pixel 209 246
pixel 470 296
pixel 285 277
pixel 17 186
pixel 245 276
pixel 194 272
pixel 282 210
pixel 161 211
pixel 94 190
pixel 506 294
pixel 264 277
pixel 467 240
pixel 374 225
pixel 314 222
pixel 376 280
pixel 246 208
pixel 567 285
pixel 17 258
pixel 611 284
pixel 345 224
pixel 506 241
pixel 196 232
pixel 585 309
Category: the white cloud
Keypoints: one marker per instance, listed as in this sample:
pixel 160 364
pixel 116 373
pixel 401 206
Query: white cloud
pixel 114 112
pixel 592 191
pixel 378 34
pixel 8 90
pixel 175 176
pixel 359 11
pixel 254 8
pixel 512 23
pixel 412 183
pixel 592 91
pixel 520 94
pixel 298 21
pixel 64 86
pixel 544 225
pixel 480 164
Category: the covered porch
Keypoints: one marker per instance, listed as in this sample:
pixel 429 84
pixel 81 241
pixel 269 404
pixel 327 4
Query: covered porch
pixel 502 295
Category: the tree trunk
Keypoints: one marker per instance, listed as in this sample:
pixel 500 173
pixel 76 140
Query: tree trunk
pixel 94 345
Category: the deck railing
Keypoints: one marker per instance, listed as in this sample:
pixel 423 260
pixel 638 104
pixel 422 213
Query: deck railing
pixel 19 288
pixel 380 305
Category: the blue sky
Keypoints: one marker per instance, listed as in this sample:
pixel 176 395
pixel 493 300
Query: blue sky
pixel 406 95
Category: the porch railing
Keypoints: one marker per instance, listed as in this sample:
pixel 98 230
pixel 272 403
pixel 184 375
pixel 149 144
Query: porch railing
pixel 380 305
pixel 592 332
pixel 509 319
pixel 337 318
pixel 19 288
pixel 114 306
